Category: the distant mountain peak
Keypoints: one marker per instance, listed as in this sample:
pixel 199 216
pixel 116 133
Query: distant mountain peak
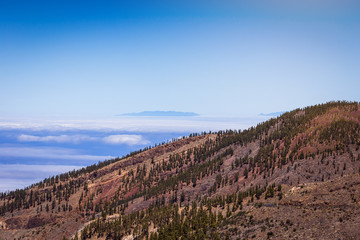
pixel 272 114
pixel 161 114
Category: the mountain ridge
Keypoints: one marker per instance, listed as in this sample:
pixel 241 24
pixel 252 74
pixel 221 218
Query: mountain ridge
pixel 207 185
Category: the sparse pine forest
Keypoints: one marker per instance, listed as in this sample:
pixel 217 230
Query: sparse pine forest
pixel 229 184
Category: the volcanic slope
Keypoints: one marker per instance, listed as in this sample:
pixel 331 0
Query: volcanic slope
pixel 294 177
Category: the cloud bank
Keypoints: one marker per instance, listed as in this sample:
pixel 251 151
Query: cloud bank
pixel 58 139
pixel 16 176
pixel 134 124
pixel 127 139
pixel 48 153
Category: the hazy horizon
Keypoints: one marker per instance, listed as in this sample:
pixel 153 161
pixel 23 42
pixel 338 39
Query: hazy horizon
pixel 34 149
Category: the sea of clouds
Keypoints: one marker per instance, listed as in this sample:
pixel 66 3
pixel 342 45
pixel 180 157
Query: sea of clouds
pixel 33 149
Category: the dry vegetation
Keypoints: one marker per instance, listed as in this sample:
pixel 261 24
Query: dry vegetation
pixel 293 177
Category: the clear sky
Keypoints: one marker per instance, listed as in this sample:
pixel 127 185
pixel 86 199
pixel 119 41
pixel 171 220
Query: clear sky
pixel 217 58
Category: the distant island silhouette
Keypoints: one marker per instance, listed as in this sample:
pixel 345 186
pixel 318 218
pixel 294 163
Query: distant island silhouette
pixel 161 114
pixel 273 114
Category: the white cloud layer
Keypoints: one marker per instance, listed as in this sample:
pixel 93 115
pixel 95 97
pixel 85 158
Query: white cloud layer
pixel 48 153
pixel 126 139
pixel 16 176
pixel 111 139
pixel 58 139
pixel 131 124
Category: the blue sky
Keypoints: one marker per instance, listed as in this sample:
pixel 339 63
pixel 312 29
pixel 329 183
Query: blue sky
pixel 218 58
pixel 68 69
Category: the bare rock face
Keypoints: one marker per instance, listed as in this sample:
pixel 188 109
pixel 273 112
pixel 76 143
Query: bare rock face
pixel 15 222
pixel 2 224
pixel 26 222
pixel 130 237
pixel 35 221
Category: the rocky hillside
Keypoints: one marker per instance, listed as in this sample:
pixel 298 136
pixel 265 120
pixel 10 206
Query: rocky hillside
pixel 294 177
